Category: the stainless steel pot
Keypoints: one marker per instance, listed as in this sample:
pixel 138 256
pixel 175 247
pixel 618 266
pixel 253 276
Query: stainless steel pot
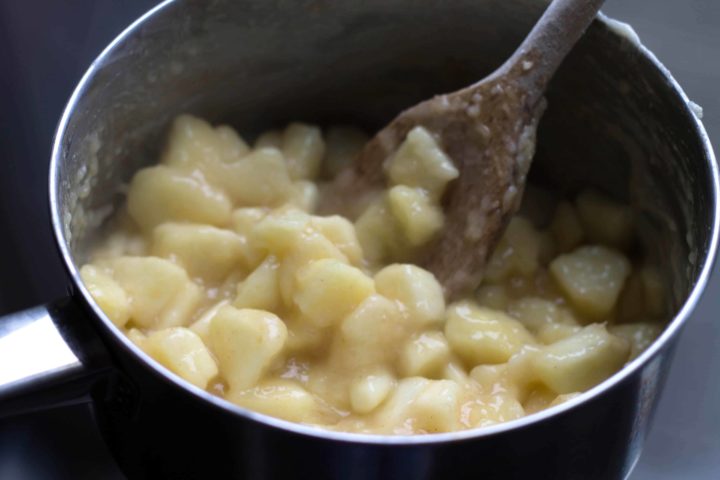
pixel 616 120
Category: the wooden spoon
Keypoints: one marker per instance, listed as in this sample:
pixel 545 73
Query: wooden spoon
pixel 488 130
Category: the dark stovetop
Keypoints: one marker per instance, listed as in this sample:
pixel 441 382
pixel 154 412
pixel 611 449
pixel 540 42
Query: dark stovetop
pixel 46 46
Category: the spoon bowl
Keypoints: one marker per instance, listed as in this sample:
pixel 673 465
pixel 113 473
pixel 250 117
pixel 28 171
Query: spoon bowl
pixel 488 131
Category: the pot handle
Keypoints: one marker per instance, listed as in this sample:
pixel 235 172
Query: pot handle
pixel 50 356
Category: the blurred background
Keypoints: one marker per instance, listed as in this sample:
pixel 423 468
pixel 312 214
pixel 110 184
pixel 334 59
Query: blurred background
pixel 46 45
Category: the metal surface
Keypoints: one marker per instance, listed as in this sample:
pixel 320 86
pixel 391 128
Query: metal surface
pixel 31 345
pixel 595 141
pixel 50 357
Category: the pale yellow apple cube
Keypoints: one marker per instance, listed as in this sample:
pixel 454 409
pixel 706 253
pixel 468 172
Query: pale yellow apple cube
pixel 517 252
pixel 418 217
pixel 280 230
pixel 204 251
pixel 182 352
pixel 535 313
pixel 424 355
pixel 498 408
pixel 223 158
pixel 201 326
pixel 455 371
pixel 592 278
pixel 245 343
pixel 521 377
pixel 481 335
pixel 261 290
pixel 604 220
pixel 259 179
pixel 187 139
pixel 437 408
pixel 161 294
pixel 419 162
pixel 581 361
pixel 305 195
pixel 341 232
pixel 110 296
pixel 395 414
pixel 554 332
pixel 162 194
pixel 379 233
pixel 244 220
pixel 416 289
pixel 283 399
pixel 369 335
pixel 311 246
pixel 491 377
pixel 182 309
pixel 137 337
pixel 328 290
pixel 369 391
pixel 194 144
pixel 232 145
pixel 303 147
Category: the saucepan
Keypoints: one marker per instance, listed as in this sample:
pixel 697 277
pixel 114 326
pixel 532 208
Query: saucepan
pixel 616 120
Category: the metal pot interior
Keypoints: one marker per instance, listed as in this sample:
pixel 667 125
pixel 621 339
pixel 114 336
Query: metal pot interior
pixel 615 119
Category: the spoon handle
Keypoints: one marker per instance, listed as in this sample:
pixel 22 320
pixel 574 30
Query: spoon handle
pixel 543 50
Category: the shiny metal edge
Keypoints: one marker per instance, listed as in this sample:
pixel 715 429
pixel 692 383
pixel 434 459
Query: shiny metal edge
pixel 672 329
pixel 22 336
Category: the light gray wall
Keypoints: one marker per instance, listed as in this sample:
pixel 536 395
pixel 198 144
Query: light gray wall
pixel 685 439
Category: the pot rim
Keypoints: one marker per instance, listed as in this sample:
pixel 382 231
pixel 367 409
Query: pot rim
pixel 671 330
